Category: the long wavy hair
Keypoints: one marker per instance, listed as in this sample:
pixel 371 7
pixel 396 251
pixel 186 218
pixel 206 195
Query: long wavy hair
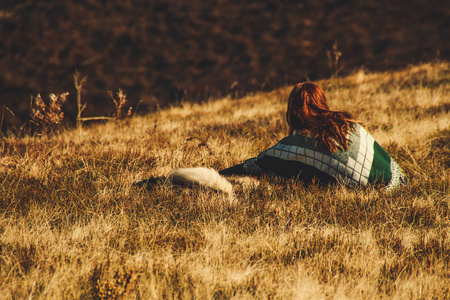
pixel 308 113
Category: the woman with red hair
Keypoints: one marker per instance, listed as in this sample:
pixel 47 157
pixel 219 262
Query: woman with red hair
pixel 323 146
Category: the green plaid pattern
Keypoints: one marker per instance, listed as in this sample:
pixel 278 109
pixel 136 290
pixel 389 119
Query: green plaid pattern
pixel 353 166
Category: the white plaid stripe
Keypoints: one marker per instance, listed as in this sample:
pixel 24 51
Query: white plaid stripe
pixel 353 170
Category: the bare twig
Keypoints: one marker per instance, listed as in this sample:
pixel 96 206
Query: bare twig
pixel 3 116
pixel 334 55
pixel 79 87
pixel 95 119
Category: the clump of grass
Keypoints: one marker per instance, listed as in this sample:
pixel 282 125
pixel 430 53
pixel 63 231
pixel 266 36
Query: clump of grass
pixel 122 283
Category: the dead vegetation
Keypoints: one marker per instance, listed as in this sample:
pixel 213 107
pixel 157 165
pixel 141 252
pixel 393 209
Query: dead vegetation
pixel 47 117
pixel 72 224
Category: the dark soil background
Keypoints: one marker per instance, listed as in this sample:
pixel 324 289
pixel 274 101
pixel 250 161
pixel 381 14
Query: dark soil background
pixel 162 52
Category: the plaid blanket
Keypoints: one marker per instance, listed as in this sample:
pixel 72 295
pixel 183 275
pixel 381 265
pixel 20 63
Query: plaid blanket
pixel 299 156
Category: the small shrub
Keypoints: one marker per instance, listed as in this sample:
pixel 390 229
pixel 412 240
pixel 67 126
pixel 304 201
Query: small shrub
pixel 47 117
pixel 120 113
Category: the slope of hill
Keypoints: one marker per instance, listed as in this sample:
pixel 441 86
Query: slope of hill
pixel 167 49
pixel 73 226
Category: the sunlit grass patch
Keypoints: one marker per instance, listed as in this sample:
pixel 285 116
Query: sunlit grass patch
pixel 73 225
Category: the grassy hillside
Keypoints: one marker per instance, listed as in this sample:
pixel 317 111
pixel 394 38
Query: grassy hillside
pixel 73 226
pixel 165 50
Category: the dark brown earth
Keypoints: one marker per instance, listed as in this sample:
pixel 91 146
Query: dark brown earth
pixel 161 52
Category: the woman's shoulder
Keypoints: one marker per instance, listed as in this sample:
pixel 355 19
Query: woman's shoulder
pixel 300 140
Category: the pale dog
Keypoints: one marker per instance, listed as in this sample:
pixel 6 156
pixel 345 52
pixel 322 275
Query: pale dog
pixel 202 176
pixel 205 177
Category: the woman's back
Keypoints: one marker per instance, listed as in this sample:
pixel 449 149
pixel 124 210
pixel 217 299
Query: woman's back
pixel 305 158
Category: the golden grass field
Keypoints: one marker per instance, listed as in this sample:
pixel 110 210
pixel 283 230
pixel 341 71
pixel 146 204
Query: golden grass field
pixel 72 225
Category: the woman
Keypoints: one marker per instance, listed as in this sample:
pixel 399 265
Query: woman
pixel 323 146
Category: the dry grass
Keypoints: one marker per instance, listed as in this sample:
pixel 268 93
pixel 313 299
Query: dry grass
pixel 73 226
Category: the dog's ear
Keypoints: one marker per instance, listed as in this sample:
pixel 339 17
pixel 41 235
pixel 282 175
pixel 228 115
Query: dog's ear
pixel 150 182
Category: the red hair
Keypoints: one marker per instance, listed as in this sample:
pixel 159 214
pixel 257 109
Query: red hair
pixel 309 114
